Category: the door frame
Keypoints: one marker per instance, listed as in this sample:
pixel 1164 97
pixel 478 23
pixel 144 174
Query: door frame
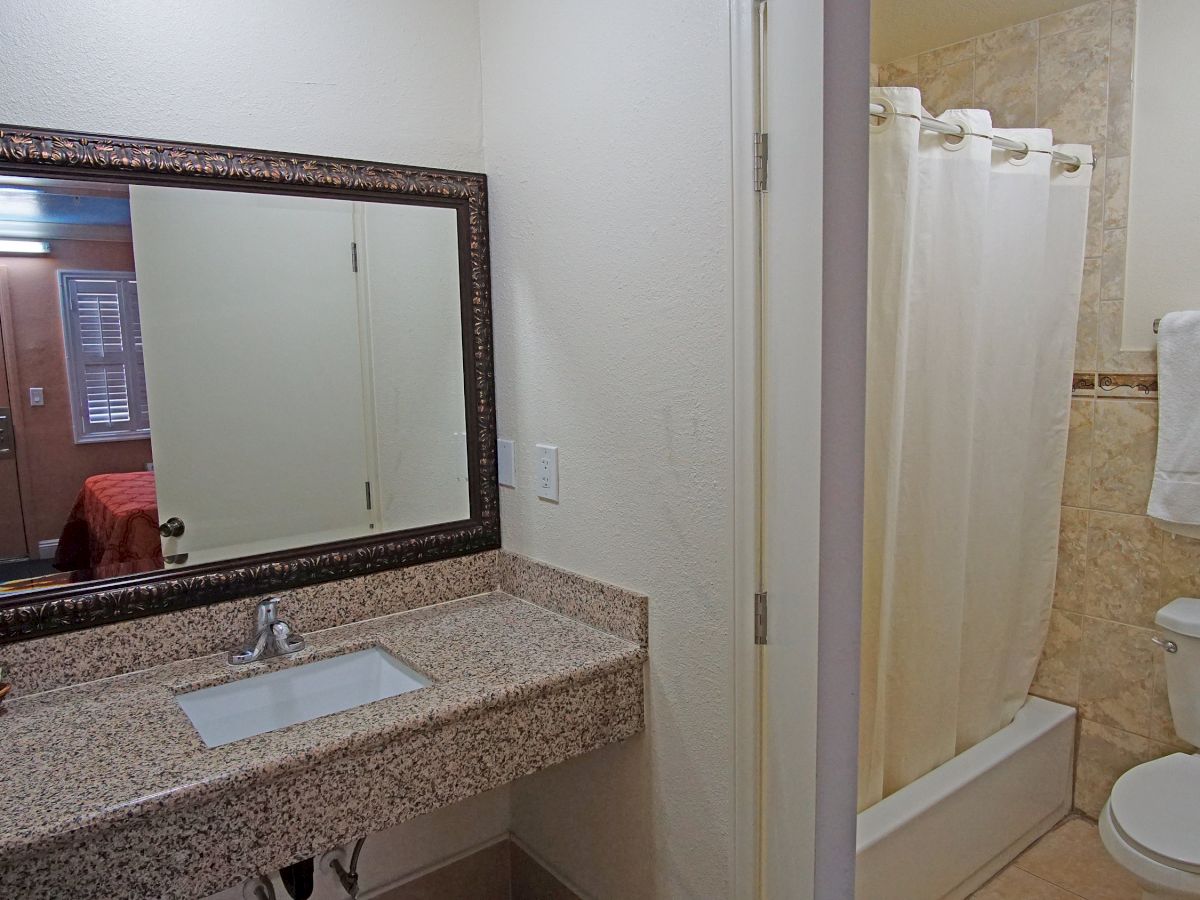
pixel 746 380
pixel 8 350
pixel 845 91
pixel 799 390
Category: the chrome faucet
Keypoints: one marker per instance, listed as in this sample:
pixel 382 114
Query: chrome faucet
pixel 272 636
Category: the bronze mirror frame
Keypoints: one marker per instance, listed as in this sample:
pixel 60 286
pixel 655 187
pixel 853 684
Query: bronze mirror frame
pixel 96 157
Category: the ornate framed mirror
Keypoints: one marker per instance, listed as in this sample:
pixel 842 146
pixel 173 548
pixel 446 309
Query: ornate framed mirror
pixel 228 372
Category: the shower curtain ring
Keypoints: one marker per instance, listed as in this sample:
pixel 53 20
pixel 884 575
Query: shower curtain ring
pixel 883 120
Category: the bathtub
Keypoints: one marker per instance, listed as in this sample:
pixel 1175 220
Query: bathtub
pixel 949 831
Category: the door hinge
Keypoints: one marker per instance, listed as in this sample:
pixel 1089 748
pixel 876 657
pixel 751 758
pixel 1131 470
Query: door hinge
pixel 354 255
pixel 760 161
pixel 760 617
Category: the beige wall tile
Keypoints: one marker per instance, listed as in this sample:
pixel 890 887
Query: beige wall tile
pixel 1112 262
pixel 902 73
pixel 1104 755
pixel 1091 15
pixel 1180 567
pixel 1124 560
pixel 1006 75
pixel 1072 560
pixel 950 87
pixel 1116 193
pixel 1007 38
pixel 1119 128
pixel 1073 84
pixel 1116 673
pixel 1120 87
pixel 1086 329
pixel 1094 240
pixel 1108 337
pixel 945 56
pixel 1077 479
pixel 1124 444
pixel 1057 675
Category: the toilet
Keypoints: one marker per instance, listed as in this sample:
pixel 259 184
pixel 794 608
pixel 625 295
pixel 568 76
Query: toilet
pixel 1151 822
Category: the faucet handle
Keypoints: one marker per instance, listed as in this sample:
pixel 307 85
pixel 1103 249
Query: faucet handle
pixel 285 641
pixel 267 613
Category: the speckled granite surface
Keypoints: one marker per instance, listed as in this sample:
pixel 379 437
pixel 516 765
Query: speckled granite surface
pixel 107 791
pixel 608 607
pixel 61 659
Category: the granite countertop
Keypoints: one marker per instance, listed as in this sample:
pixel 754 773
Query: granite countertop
pixel 94 771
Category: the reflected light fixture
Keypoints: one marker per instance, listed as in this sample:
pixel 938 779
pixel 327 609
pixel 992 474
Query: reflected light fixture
pixel 12 246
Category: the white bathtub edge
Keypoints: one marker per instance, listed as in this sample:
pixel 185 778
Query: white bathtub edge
pixel 928 840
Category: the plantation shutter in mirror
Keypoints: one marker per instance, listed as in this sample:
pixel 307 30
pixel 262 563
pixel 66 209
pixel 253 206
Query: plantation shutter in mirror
pixel 102 330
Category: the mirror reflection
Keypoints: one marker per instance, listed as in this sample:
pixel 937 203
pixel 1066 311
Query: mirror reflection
pixel 198 375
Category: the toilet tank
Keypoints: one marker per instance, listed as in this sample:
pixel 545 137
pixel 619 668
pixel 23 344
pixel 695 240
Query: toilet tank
pixel 1180 623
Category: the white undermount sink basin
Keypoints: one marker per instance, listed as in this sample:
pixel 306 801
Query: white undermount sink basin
pixel 240 709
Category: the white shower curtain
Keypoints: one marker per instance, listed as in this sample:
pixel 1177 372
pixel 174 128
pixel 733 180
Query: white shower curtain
pixel 976 262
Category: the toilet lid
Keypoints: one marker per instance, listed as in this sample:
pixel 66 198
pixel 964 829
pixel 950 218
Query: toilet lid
pixel 1156 806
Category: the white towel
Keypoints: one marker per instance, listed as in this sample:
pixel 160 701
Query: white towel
pixel 1175 496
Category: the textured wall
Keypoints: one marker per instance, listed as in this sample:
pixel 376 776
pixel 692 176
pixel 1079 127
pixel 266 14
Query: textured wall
pixel 608 152
pixel 608 147
pixel 368 79
pixel 1071 72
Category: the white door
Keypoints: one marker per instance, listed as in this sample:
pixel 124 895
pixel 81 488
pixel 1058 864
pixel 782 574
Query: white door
pixel 251 343
pixel 408 272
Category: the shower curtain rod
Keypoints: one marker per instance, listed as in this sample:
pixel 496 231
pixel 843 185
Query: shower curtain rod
pixel 1074 162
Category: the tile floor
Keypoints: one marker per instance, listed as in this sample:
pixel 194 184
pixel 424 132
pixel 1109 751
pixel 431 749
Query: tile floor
pixel 1069 863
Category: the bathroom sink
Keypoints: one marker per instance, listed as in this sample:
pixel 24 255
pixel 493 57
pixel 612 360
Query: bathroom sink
pixel 241 709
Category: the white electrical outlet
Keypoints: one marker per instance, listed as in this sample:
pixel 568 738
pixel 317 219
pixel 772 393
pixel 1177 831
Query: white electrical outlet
pixel 545 472
pixel 506 463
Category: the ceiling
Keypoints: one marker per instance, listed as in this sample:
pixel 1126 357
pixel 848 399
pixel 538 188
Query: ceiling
pixel 902 28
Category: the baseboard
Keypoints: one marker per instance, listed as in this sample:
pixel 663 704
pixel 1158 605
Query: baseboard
pixel 47 549
pixel 537 879
pixel 447 864
pixel 501 867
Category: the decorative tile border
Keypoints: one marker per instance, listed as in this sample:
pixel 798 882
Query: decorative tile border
pixel 1114 385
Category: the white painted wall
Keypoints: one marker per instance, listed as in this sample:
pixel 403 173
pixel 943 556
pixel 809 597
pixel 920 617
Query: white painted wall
pixel 1162 268
pixel 609 156
pixel 367 79
pixel 608 148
